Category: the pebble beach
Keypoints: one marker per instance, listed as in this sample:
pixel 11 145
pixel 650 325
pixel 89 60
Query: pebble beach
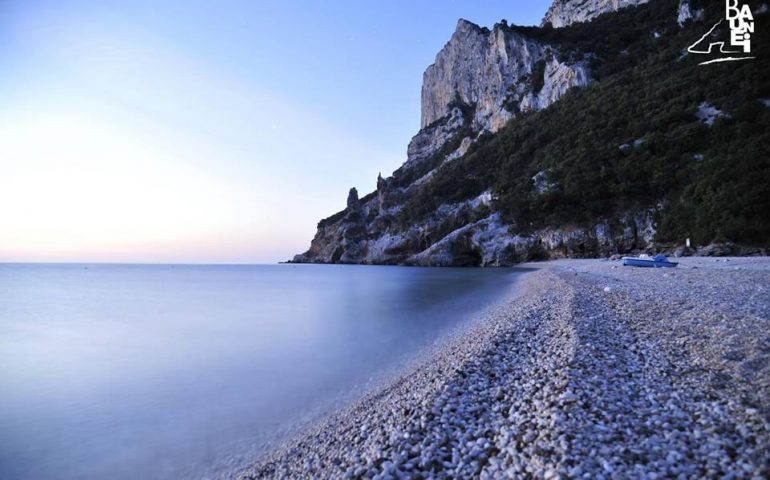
pixel 587 370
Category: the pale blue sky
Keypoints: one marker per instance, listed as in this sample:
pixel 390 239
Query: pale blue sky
pixel 199 131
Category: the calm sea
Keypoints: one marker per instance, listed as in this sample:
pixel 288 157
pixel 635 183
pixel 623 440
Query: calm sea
pixel 167 371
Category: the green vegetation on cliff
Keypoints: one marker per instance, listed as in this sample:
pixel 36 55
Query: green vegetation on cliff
pixel 633 139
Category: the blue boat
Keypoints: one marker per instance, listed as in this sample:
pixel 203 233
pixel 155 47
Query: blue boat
pixel 657 261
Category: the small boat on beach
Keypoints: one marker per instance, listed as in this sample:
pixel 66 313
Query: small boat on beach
pixel 657 261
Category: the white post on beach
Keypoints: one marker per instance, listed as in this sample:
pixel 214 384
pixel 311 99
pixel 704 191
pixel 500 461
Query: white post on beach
pixel 688 243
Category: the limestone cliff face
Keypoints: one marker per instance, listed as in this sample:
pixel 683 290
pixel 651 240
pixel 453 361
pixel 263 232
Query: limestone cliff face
pixel 493 72
pixel 480 80
pixel 686 13
pixel 469 234
pixel 566 12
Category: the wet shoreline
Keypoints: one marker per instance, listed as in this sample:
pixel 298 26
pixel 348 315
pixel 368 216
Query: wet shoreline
pixel 590 370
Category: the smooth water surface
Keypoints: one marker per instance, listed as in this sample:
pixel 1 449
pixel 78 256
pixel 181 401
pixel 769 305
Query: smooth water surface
pixel 166 371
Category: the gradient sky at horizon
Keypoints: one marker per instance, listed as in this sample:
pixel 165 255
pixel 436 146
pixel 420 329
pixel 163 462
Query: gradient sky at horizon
pixel 193 131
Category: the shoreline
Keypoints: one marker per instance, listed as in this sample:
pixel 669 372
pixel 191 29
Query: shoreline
pixel 587 369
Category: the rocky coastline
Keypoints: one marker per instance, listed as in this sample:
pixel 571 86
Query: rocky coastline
pixel 591 370
pixel 540 143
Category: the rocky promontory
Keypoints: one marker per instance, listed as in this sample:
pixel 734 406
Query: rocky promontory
pixel 585 140
pixel 481 79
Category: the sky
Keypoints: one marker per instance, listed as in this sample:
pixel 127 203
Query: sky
pixel 206 132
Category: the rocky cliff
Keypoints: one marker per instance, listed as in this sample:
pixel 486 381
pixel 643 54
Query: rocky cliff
pixel 498 72
pixel 566 12
pixel 503 170
pixel 481 79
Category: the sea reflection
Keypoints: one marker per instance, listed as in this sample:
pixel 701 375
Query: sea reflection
pixel 159 371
